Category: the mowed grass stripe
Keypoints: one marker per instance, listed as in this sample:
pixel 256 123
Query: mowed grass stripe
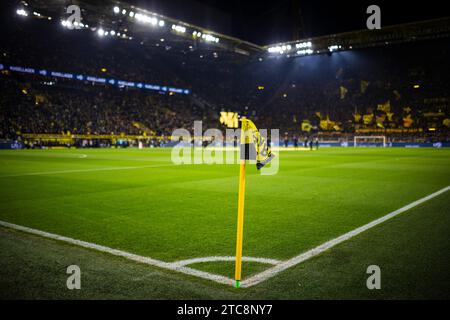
pixel 37 161
pixel 280 266
pixel 182 212
pixel 411 249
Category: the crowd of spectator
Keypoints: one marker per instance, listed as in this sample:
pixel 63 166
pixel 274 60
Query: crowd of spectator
pixel 38 108
pixel 276 92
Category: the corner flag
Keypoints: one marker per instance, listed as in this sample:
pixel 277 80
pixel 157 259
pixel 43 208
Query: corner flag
pixel 251 138
pixel 253 146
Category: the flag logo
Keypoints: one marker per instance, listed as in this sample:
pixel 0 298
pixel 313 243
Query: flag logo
pixel 253 145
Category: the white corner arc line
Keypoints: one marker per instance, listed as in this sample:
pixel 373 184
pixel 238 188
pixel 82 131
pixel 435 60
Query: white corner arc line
pixel 225 258
pixel 269 273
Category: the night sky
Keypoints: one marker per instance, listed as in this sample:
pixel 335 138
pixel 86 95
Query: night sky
pixel 265 22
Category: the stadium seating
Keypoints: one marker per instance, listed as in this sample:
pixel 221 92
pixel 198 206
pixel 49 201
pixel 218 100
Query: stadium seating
pixel 395 89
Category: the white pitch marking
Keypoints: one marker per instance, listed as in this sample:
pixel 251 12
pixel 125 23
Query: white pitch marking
pixel 124 254
pixel 84 170
pixel 269 273
pixel 262 276
pixel 47 155
pixel 225 258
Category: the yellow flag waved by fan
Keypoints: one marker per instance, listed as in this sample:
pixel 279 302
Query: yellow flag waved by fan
pixel 446 122
pixel 385 107
pixel 306 125
pixel 342 92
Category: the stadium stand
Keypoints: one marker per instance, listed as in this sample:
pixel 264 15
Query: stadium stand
pixel 393 89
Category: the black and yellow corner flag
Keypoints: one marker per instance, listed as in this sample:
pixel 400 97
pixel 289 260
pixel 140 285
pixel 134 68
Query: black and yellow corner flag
pixel 253 147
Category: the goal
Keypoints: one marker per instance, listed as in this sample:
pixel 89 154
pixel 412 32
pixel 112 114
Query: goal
pixel 369 141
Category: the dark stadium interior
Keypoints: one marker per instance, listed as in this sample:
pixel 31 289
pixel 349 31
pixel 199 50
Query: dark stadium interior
pixel 334 93
pixel 250 151
pixel 265 21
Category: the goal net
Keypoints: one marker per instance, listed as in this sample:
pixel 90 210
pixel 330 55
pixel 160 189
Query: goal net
pixel 369 141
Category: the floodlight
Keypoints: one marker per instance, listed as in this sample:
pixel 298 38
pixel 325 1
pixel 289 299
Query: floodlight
pixel 22 12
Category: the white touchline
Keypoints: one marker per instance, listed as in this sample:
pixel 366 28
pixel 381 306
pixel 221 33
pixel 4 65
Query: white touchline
pixel 85 170
pixel 180 266
pixel 130 256
pixel 269 273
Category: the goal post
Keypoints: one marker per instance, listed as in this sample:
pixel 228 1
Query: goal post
pixel 369 141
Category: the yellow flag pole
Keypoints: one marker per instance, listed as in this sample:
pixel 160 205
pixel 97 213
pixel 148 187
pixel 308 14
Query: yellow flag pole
pixel 240 223
pixel 241 199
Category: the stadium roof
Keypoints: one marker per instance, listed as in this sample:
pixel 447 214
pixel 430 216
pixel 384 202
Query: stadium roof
pixel 101 13
pixel 423 30
pixel 135 22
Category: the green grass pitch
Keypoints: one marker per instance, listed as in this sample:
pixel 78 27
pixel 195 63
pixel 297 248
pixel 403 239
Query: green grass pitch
pixel 137 201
